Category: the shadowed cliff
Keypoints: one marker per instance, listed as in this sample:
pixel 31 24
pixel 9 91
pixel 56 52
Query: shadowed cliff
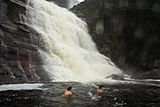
pixel 127 31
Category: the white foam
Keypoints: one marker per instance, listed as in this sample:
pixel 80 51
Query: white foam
pixel 36 86
pixel 131 81
pixel 80 0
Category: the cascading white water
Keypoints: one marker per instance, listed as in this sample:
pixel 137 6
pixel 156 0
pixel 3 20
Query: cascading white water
pixel 70 54
pixel 72 3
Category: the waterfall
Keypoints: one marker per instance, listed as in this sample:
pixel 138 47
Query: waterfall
pixel 69 53
pixel 72 3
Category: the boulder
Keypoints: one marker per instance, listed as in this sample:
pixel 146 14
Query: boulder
pixel 116 77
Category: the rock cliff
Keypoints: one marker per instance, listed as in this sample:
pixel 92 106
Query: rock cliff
pixel 127 31
pixel 19 56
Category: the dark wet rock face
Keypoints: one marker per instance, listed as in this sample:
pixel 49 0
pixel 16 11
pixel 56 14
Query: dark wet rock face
pixel 127 31
pixel 19 56
pixel 154 74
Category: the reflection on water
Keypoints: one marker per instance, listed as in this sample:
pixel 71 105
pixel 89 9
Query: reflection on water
pixel 84 95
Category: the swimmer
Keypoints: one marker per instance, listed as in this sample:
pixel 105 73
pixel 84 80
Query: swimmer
pixel 100 89
pixel 68 91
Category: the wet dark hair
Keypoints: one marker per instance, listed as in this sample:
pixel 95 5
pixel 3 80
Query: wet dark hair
pixel 69 88
pixel 101 86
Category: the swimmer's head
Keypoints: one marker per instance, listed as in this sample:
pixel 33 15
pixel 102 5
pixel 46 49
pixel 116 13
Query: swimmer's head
pixel 101 86
pixel 69 88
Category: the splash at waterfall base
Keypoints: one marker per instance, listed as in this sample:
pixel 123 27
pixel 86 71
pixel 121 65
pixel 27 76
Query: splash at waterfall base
pixel 67 50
